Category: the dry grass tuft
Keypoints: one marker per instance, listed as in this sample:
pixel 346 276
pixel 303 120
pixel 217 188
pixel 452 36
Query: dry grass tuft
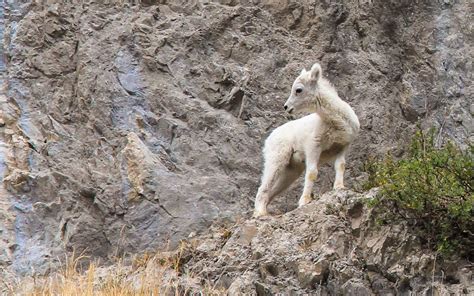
pixel 147 274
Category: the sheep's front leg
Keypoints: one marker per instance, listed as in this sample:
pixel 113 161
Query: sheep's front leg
pixel 261 202
pixel 311 174
pixel 339 167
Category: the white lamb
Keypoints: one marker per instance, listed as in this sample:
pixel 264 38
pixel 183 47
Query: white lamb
pixel 308 142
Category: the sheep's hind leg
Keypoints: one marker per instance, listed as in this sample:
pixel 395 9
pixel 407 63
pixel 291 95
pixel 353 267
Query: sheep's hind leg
pixel 274 181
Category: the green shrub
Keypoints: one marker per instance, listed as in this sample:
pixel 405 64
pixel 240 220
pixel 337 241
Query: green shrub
pixel 432 190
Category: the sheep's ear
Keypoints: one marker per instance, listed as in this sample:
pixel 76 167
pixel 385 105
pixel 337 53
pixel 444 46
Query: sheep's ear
pixel 316 73
pixel 303 72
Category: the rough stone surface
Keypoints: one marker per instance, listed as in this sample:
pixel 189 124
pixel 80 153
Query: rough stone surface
pixel 126 127
pixel 314 250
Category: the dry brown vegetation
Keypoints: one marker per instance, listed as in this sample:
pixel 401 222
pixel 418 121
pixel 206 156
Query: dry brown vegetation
pixel 147 274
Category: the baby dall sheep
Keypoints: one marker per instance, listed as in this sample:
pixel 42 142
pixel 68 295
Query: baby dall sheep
pixel 308 142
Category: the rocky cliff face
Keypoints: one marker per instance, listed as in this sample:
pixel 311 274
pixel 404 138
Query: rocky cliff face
pixel 126 127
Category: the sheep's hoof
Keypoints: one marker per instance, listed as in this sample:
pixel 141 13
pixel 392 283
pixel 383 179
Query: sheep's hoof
pixel 260 214
pixel 304 200
pixel 339 187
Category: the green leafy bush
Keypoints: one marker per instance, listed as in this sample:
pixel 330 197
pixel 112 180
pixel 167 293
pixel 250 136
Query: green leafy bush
pixel 432 190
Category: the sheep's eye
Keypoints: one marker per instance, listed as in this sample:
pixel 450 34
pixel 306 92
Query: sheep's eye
pixel 299 90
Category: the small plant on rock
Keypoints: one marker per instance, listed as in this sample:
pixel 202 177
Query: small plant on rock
pixel 432 190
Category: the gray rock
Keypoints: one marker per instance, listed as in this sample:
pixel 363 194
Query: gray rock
pixel 309 274
pixel 356 287
pixel 298 254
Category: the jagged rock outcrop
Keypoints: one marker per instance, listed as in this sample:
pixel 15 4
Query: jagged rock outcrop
pixel 126 126
pixel 333 246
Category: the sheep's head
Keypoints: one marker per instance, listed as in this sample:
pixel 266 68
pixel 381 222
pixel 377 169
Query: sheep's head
pixel 303 93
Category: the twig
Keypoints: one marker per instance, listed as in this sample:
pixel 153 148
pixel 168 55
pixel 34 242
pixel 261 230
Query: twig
pixel 438 137
pixel 242 106
pixel 433 273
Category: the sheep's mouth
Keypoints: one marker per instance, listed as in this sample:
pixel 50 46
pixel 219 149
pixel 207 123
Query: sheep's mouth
pixel 290 110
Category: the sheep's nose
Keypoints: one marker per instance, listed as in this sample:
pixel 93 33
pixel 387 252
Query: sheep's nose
pixel 286 107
